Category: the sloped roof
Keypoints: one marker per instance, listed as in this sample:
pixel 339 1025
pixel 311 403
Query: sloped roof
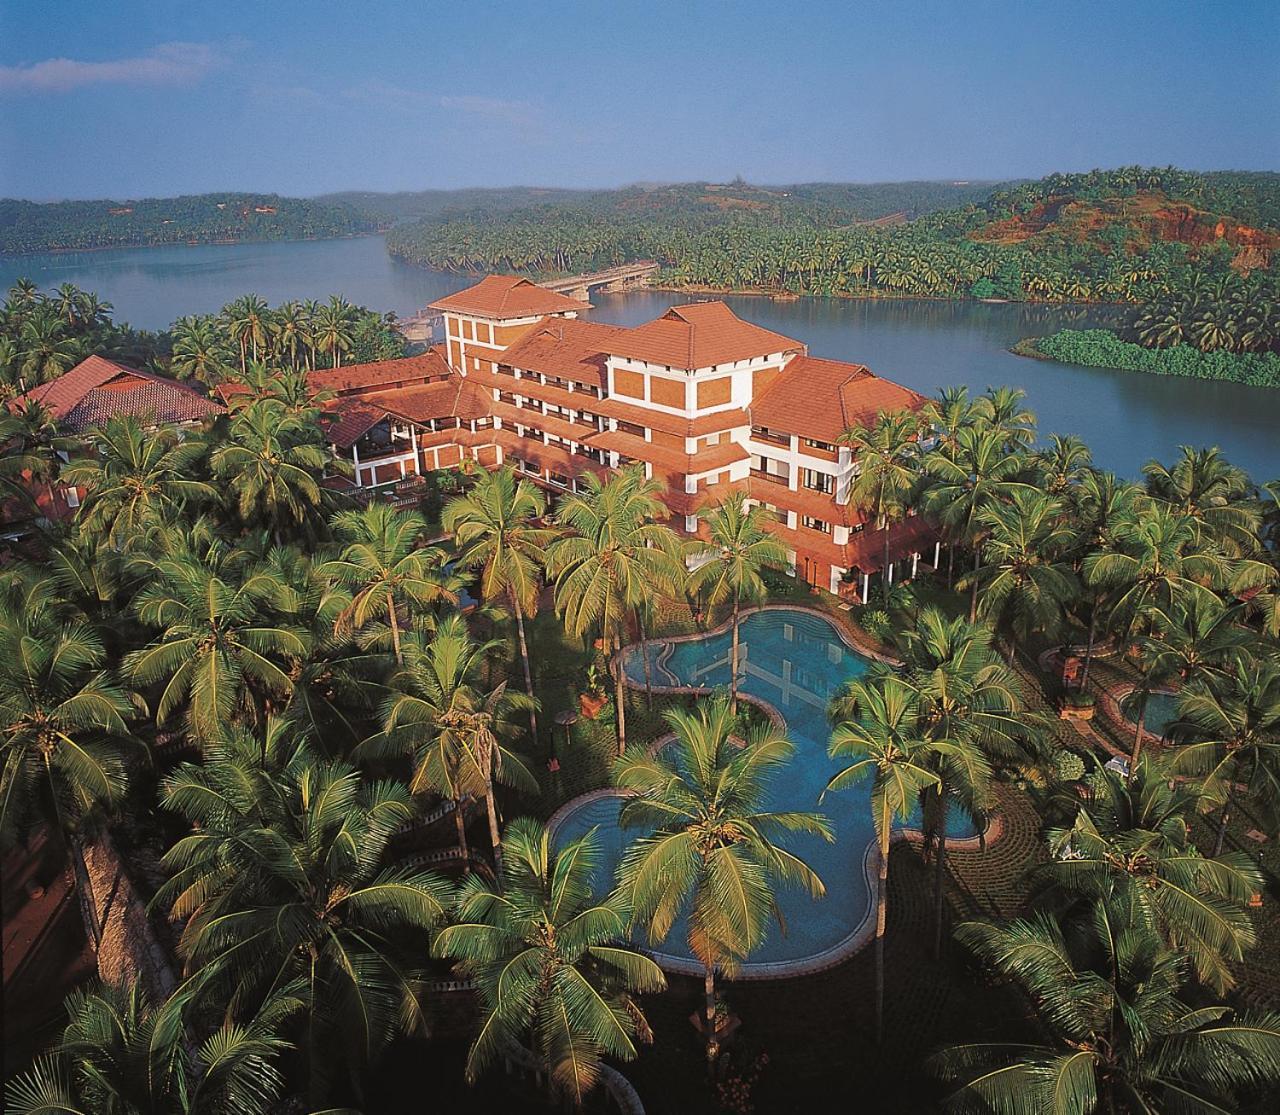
pixel 380 375
pixel 97 389
pixel 564 347
pixel 348 418
pixel 699 335
pixel 823 398
pixel 507 296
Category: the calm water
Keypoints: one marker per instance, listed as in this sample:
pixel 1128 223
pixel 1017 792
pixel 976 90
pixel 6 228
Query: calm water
pixel 1126 417
pixel 1162 710
pixel 794 660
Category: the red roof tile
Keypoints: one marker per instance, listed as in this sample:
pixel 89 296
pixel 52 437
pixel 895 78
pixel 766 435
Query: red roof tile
pixel 699 335
pixel 501 297
pixel 564 347
pixel 823 398
pixel 381 374
pixel 346 421
pixel 97 389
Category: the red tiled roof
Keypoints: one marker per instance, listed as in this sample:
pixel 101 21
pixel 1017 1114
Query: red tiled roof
pixel 699 335
pixel 823 398
pixel 564 347
pixel 715 422
pixel 381 375
pixel 507 296
pixel 348 420
pixel 97 389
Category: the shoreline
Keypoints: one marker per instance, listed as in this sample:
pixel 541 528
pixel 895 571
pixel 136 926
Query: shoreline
pixel 189 244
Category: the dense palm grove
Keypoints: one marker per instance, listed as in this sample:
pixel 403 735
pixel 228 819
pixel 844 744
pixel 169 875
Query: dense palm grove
pixel 28 226
pixel 43 335
pixel 277 683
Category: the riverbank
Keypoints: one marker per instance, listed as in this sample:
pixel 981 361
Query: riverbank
pixel 1101 348
pixel 193 244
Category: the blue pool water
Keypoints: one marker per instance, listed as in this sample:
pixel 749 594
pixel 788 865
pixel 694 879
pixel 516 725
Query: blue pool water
pixel 1162 710
pixel 795 660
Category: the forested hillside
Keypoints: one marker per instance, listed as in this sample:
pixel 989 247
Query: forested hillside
pixel 1103 236
pixel 28 226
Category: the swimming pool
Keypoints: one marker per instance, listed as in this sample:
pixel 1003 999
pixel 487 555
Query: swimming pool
pixel 795 660
pixel 1162 710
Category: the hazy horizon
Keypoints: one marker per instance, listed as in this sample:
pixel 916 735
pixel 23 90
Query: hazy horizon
pixel 149 99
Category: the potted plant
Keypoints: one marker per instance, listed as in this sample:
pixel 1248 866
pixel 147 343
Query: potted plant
pixel 594 699
pixel 1076 705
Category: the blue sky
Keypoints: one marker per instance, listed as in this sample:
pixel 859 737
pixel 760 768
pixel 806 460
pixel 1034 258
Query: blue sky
pixel 135 98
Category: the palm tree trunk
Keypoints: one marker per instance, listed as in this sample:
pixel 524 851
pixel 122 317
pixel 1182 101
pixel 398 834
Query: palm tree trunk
pixel 733 678
pixel 395 627
pixel 621 692
pixel 709 991
pixel 1137 738
pixel 973 592
pixel 1226 818
pixel 885 571
pixel 644 654
pixel 495 838
pixel 951 566
pixel 461 820
pixel 1088 646
pixel 882 889
pixel 524 660
pixel 939 869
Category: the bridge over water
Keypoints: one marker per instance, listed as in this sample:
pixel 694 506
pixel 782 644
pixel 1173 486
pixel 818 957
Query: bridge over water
pixel 627 276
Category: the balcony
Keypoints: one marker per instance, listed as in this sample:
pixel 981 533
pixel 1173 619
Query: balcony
pixel 773 478
pixel 759 433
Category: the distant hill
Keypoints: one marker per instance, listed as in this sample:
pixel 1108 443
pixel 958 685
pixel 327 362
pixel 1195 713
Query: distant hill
pixel 28 226
pixel 387 209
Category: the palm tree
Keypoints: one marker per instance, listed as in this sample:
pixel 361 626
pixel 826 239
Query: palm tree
pixel 62 719
pixel 884 740
pixel 1203 485
pixel 729 569
pixel 707 846
pixel 886 456
pixel 270 466
pixel 332 328
pixel 1116 1035
pixel 246 320
pixel 452 728
pixel 135 478
pixel 979 472
pixel 613 553
pixel 284 877
pixel 119 1055
pixel 48 350
pixel 385 568
pixel 1008 417
pixel 1157 562
pixel 967 695
pixel 224 633
pixel 1131 844
pixel 495 527
pixel 1063 464
pixel 553 963
pixel 1026 588
pixel 1229 735
pixel 198 350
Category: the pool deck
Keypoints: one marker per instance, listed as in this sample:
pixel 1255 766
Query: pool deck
pixel 863 932
pixel 1113 697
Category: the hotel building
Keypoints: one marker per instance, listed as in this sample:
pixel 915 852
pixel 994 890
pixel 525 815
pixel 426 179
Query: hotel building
pixel 709 404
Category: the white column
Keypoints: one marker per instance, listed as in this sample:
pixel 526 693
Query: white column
pixel 915 562
pixel 866 586
pixel 937 553
pixel 888 574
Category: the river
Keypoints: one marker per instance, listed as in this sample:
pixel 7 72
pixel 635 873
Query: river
pixel 1126 417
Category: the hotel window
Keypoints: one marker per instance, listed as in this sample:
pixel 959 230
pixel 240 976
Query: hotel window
pixel 505 370
pixel 482 424
pixel 816 481
pixel 556 381
pixel 712 439
pixel 763 433
pixel 556 412
pixel 814 443
pixel 507 397
pixel 816 524
pixel 630 428
pixel 591 390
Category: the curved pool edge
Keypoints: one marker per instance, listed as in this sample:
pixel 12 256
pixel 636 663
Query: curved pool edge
pixel 829 957
pixel 863 932
pixel 1113 697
